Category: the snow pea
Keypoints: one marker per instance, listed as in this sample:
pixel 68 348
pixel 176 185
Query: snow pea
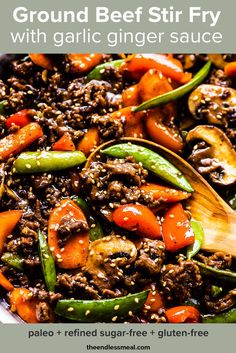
pixel 151 161
pixel 13 260
pixel 227 276
pixel 199 235
pixel 227 317
pixel 98 71
pixel 106 310
pixel 47 263
pixel 46 161
pixel 95 231
pixel 176 93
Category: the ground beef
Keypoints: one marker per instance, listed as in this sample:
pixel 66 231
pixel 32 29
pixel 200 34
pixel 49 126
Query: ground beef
pixel 220 304
pixel 69 226
pixel 151 257
pixel 218 260
pixel 76 284
pixel 179 281
pixel 44 312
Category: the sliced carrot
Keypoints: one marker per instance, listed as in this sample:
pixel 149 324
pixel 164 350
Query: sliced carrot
pixel 89 141
pixel 15 143
pixel 164 193
pixel 128 116
pixel 137 64
pixel 75 251
pixel 8 221
pixel 230 69
pixel 5 283
pixel 42 60
pixel 65 143
pixel 130 96
pixel 137 131
pixel 22 303
pixel 83 63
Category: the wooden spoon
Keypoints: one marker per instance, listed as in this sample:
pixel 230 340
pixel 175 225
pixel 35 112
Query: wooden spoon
pixel 206 206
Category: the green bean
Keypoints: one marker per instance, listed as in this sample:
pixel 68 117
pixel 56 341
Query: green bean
pixel 227 317
pixel 227 276
pixel 199 236
pixel 47 161
pixel 152 161
pixel 98 71
pixel 104 310
pixel 13 260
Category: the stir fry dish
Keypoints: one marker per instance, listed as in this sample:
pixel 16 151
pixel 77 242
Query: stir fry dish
pixel 98 213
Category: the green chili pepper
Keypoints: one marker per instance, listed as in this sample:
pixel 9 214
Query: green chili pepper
pixel 151 161
pixel 95 231
pixel 176 93
pixel 2 106
pixel 227 317
pixel 98 71
pixel 13 260
pixel 199 236
pixel 106 310
pixel 47 263
pixel 47 161
pixel 232 201
pixel 227 276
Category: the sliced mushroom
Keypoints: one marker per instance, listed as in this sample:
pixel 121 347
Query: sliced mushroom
pixel 214 103
pixel 216 156
pixel 107 258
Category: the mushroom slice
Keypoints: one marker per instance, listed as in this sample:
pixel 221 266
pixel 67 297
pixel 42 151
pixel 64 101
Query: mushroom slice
pixel 217 156
pixel 214 103
pixel 107 257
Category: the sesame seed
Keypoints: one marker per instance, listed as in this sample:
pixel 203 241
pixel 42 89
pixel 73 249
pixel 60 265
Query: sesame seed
pixel 70 309
pixel 136 300
pixel 130 313
pixel 28 166
pixel 114 318
pixel 116 307
pixel 87 312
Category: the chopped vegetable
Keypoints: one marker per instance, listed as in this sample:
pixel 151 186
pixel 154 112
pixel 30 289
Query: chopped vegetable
pixel 8 221
pixel 95 231
pixel 139 219
pixel 103 310
pixel 21 118
pixel 130 96
pixel 178 92
pixel 2 106
pixel 176 228
pixel 182 314
pixel 136 65
pixel 65 143
pixel 46 161
pixel 98 71
pixel 47 263
pixel 154 300
pixel 152 161
pixel 223 275
pixel 193 249
pixel 75 250
pixel 230 69
pixel 15 143
pixel 89 141
pixel 42 60
pixel 83 63
pixel 25 306
pixel 5 283
pixel 227 317
pixel 164 193
pixel 13 260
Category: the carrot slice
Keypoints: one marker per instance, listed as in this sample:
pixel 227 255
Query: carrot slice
pixel 230 69
pixel 22 303
pixel 5 283
pixel 75 251
pixel 65 143
pixel 89 141
pixel 21 118
pixel 8 221
pixel 130 96
pixel 165 193
pixel 42 60
pixel 15 143
pixel 83 63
